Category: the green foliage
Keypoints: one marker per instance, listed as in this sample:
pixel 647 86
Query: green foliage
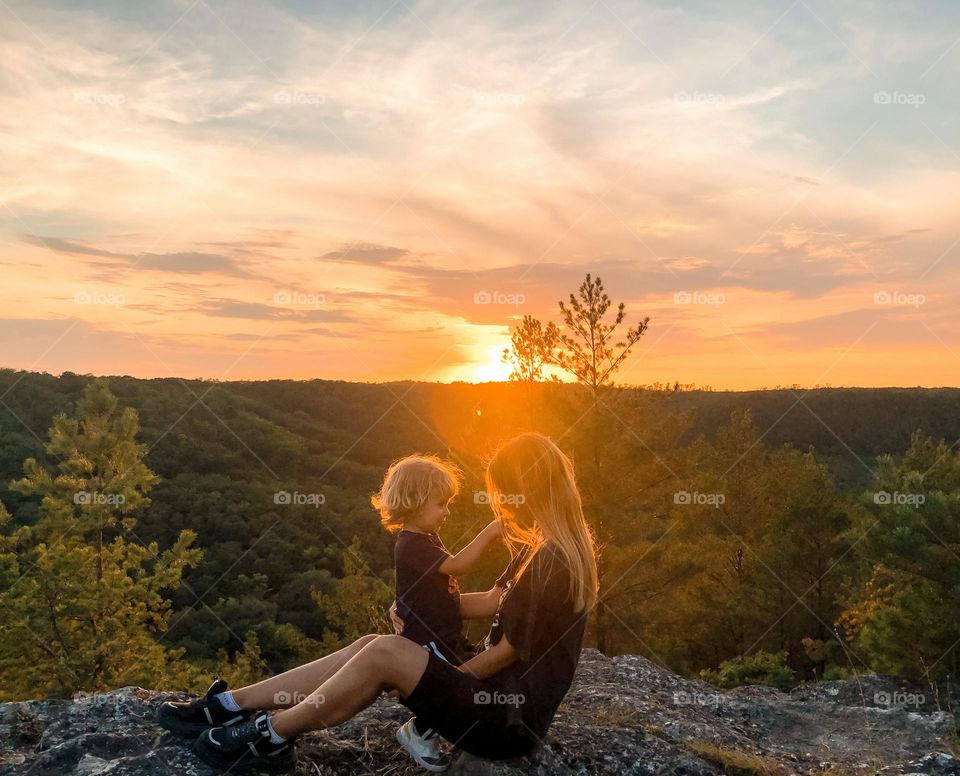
pixel 792 556
pixel 902 615
pixel 246 667
pixel 769 668
pixel 754 555
pixel 84 598
pixel 360 602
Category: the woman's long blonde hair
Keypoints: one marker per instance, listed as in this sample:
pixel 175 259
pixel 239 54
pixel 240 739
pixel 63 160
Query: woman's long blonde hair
pixel 533 491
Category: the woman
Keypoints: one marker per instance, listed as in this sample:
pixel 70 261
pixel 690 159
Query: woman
pixel 498 704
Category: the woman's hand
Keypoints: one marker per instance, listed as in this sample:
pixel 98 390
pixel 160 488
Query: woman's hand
pixel 395 619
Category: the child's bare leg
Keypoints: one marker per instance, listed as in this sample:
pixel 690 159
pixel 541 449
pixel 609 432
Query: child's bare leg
pixel 386 662
pixel 290 687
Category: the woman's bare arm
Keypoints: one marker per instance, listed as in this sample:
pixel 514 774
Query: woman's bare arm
pixel 477 606
pixel 492 660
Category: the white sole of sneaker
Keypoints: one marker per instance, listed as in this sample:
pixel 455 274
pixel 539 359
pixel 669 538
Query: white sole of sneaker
pixel 404 738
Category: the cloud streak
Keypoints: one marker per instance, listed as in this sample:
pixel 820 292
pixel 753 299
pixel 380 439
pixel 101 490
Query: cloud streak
pixel 400 161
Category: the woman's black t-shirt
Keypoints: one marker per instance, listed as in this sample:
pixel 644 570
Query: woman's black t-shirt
pixel 536 615
pixel 428 602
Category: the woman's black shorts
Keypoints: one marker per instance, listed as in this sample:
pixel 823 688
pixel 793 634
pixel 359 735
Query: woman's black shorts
pixel 472 714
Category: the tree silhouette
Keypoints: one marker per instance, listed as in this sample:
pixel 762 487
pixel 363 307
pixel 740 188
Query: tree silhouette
pixel 592 350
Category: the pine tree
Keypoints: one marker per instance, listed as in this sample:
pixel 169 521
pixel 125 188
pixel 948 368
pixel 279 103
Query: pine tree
pixel 756 558
pixel 533 347
pixel 904 616
pixel 83 599
pixel 592 349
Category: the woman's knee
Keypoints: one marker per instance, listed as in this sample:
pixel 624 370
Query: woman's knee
pixel 384 647
pixel 394 661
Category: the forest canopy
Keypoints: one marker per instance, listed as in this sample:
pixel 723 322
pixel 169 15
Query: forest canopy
pixel 227 527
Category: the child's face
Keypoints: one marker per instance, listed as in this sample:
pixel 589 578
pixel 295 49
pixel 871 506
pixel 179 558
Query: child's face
pixel 433 512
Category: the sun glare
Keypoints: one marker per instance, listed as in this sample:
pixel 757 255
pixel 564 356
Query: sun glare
pixel 489 368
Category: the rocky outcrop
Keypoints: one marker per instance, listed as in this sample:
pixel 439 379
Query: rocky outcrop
pixel 622 716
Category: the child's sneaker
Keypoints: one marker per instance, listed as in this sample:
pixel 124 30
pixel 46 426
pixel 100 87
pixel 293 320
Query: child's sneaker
pixel 245 746
pixel 188 718
pixel 424 749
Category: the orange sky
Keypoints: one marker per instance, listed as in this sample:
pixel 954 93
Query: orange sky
pixel 309 191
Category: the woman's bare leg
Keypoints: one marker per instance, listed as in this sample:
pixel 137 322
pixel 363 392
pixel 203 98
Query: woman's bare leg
pixel 289 688
pixel 387 662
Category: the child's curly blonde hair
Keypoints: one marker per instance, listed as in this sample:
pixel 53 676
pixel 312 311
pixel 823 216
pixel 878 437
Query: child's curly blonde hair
pixel 408 484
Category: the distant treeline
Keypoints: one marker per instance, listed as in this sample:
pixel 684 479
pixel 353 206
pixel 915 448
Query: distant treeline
pixel 274 478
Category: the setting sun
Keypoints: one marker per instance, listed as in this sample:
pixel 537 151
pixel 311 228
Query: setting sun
pixel 491 370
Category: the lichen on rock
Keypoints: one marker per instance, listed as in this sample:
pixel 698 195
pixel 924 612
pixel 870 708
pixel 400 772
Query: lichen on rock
pixel 623 715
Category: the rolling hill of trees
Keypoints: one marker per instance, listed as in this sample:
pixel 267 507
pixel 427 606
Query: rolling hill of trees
pixel 743 533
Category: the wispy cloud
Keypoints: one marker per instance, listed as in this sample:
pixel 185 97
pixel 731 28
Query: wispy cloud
pixel 402 161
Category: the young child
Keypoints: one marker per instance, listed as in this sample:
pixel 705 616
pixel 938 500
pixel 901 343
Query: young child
pixel 413 502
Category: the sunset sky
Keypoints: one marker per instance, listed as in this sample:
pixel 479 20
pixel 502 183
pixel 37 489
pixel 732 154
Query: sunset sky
pixel 378 191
